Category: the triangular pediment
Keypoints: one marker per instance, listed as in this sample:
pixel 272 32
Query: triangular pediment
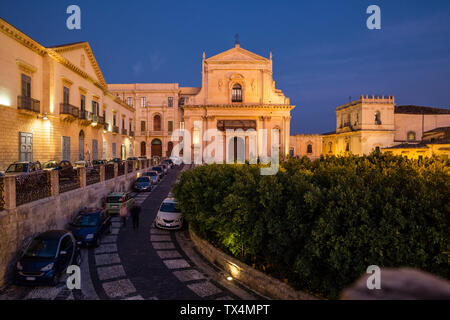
pixel 238 54
pixel 81 56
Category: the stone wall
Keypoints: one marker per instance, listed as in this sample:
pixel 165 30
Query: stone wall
pixel 261 283
pixel 50 213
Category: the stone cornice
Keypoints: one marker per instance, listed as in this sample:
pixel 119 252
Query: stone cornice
pixel 22 38
pixel 241 106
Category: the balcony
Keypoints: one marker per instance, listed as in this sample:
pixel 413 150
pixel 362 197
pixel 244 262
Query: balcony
pixel 85 115
pixel 131 133
pixel 68 109
pixel 98 120
pixel 29 104
pixel 115 129
pixel 124 131
pixel 106 126
pixel 156 133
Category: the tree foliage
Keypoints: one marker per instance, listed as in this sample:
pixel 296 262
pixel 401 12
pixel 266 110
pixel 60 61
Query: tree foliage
pixel 319 225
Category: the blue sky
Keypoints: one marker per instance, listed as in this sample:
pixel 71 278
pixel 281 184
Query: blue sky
pixel 323 53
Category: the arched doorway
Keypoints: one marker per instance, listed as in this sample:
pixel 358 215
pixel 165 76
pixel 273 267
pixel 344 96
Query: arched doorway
pixel 143 149
pixel 81 145
pixel 169 148
pixel 156 148
pixel 236 150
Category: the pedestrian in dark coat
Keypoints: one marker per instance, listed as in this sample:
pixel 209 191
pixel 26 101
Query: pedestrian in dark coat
pixel 135 212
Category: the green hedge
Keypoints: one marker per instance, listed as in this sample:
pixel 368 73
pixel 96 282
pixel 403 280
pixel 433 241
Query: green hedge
pixel 319 225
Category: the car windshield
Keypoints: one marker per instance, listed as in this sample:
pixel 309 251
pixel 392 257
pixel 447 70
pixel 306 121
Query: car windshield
pixel 42 248
pixel 151 174
pixel 142 179
pixel 49 165
pixel 157 169
pixel 169 207
pixel 17 167
pixel 86 220
pixel 114 199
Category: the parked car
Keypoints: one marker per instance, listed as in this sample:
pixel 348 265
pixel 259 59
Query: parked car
pixel 99 162
pixel 143 183
pixel 64 167
pixel 115 160
pixel 169 216
pixel 165 168
pixel 84 164
pixel 46 257
pixel 152 175
pixel 132 158
pixel 22 167
pixel 142 158
pixel 169 163
pixel 159 169
pixel 90 225
pixel 115 200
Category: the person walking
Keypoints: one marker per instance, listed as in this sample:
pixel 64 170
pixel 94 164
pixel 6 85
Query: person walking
pixel 135 211
pixel 123 214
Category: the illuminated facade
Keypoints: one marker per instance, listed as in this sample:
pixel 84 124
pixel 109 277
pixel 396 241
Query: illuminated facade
pixel 55 104
pixel 376 123
pixel 237 92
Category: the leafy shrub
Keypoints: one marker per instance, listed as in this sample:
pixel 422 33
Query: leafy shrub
pixel 320 224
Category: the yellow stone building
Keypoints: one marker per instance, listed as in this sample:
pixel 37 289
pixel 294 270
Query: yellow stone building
pixel 55 104
pixel 376 123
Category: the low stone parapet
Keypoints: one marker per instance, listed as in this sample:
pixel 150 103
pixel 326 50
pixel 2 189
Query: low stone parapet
pixel 261 283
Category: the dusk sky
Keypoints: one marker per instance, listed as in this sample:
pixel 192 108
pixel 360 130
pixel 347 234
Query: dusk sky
pixel 322 50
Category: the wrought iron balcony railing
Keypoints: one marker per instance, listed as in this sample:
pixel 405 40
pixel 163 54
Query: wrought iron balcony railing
pixel 65 108
pixel 27 103
pixel 115 129
pixel 124 131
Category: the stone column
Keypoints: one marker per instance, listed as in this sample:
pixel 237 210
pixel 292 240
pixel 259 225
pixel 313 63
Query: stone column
pixel 102 172
pixel 82 177
pixel 116 170
pixel 54 183
pixel 9 185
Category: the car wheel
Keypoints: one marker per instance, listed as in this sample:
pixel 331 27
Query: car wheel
pixel 55 279
pixel 78 260
pixel 97 242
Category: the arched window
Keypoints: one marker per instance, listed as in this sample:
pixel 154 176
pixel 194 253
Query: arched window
pixel 377 117
pixel 309 148
pixel 330 144
pixel 411 136
pixel 157 123
pixel 237 93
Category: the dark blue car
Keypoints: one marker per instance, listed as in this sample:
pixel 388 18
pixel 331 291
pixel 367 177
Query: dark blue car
pixel 89 226
pixel 46 257
pixel 143 183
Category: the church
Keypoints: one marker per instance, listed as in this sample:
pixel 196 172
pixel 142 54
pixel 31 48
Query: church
pixel 238 94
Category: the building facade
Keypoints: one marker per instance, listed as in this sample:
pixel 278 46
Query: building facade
pixel 376 123
pixel 56 105
pixel 237 93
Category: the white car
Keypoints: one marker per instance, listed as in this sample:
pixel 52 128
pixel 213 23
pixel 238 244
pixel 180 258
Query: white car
pixel 169 216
